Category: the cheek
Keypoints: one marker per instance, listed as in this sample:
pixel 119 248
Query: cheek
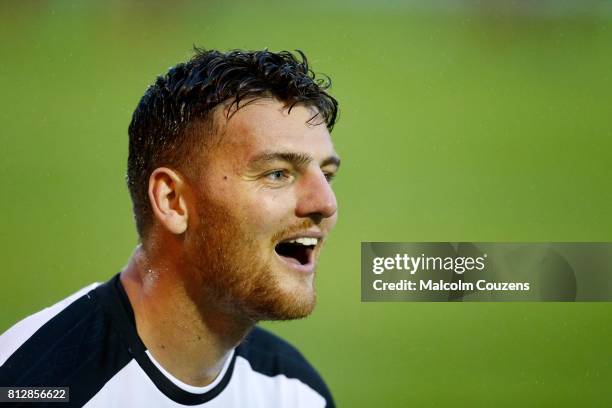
pixel 270 212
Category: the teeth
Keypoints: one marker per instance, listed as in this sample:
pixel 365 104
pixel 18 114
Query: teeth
pixel 305 241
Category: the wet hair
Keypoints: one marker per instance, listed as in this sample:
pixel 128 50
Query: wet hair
pixel 175 115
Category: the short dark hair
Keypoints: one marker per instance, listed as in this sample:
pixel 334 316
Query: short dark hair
pixel 163 127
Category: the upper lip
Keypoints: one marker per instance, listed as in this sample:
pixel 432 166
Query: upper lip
pixel 304 234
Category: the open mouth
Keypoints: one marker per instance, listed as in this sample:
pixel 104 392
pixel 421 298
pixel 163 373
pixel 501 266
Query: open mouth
pixel 297 250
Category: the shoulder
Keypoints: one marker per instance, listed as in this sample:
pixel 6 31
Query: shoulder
pixel 69 344
pixel 35 327
pixel 272 356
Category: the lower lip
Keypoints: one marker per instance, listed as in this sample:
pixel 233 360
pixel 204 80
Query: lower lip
pixel 295 265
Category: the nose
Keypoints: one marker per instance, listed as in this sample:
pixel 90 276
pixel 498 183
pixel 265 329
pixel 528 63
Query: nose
pixel 316 199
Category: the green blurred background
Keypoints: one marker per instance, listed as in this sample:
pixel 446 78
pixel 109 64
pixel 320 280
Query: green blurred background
pixel 460 121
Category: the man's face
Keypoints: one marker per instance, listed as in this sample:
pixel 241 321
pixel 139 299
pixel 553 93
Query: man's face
pixel 264 207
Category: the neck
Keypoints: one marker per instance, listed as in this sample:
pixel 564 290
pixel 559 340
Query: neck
pixel 191 340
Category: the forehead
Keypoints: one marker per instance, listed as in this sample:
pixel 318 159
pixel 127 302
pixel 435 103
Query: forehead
pixel 267 125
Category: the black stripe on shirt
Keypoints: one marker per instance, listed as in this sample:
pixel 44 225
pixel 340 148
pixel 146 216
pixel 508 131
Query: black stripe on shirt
pixel 270 355
pixel 77 348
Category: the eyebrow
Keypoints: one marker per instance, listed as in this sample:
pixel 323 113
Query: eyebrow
pixel 295 158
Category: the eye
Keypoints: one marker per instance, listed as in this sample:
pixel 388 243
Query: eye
pixel 277 175
pixel 329 176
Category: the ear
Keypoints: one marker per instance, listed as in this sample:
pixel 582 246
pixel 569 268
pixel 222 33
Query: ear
pixel 168 196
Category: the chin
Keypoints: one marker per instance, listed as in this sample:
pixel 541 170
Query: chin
pixel 287 302
pixel 297 310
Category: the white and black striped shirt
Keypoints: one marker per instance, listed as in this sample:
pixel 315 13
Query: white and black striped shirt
pixel 89 342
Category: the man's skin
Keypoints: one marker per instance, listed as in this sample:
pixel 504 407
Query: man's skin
pixel 208 270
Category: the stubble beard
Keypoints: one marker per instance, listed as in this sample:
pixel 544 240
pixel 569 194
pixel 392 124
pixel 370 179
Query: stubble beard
pixel 235 276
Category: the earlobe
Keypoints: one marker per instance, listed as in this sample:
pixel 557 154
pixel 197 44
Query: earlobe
pixel 167 190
